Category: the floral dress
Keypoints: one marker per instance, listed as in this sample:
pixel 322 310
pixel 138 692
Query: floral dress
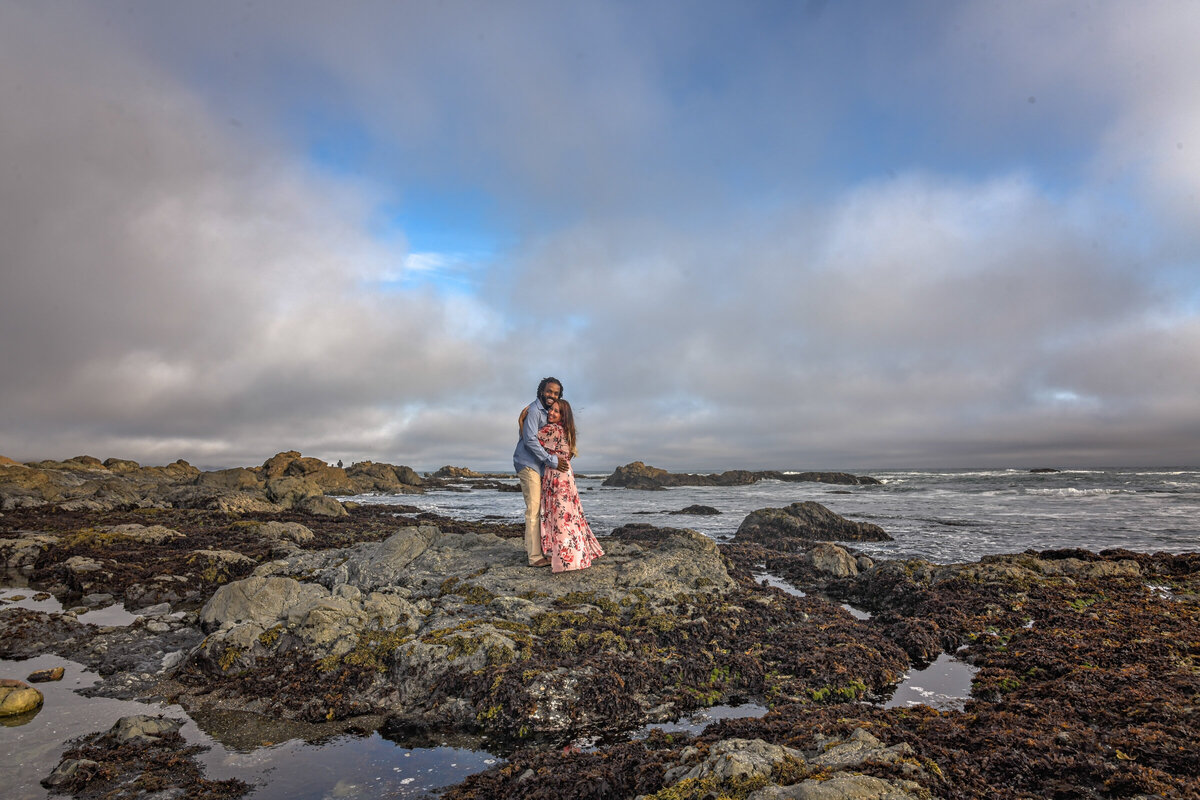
pixel 566 537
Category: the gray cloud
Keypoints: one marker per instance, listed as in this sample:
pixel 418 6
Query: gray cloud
pixel 180 281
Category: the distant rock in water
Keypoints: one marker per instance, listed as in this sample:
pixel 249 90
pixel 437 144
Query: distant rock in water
pixel 1044 469
pixel 807 521
pixel 638 475
pixel 698 510
pixel 456 472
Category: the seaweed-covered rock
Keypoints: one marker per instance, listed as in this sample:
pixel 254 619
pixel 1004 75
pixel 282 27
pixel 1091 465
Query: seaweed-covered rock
pixel 139 756
pixel 24 548
pixel 424 609
pixel 809 521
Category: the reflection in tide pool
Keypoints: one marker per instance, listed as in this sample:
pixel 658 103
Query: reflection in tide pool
pixel 332 767
pixel 113 615
pixel 31 751
pixel 945 685
pixel 346 767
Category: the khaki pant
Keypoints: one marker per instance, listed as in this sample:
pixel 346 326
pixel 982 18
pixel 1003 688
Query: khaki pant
pixel 531 490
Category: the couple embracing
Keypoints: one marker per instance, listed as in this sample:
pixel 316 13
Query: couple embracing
pixel 556 533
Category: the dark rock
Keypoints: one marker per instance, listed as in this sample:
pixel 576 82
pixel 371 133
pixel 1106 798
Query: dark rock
pixel 637 475
pixel 698 510
pixel 808 521
pixel 138 757
pixel 1041 470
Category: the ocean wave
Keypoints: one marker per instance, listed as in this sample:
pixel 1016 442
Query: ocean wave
pixel 1071 491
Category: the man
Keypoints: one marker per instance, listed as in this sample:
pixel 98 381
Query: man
pixel 530 459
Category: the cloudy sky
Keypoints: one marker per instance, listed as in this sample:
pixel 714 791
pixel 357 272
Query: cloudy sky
pixel 806 235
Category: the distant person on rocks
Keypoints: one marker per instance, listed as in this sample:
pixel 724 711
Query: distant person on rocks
pixel 530 459
pixel 566 536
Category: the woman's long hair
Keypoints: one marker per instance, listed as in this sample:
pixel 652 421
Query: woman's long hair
pixel 568 424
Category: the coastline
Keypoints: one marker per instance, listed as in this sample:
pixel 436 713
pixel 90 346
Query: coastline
pixel 1083 658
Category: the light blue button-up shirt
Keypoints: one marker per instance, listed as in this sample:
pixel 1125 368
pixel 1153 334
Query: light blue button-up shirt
pixel 529 452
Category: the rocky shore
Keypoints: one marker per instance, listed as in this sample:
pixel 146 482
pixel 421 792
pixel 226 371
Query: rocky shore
pixel 386 617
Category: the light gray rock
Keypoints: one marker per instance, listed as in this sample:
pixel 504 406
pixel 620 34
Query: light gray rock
pixel 151 534
pixel 24 549
pixel 143 728
pixel 264 601
pixel 860 747
pixel 842 786
pixel 742 759
pixel 832 560
pixel 67 770
pixel 322 506
pixel 285 532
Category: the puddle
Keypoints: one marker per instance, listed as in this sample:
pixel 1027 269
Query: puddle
pixel 696 722
pixel 109 616
pixel 1161 591
pixel 778 583
pixel 857 613
pixel 343 766
pixel 31 751
pixel 945 685
pixel 774 581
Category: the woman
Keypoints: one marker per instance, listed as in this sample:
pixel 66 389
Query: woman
pixel 566 537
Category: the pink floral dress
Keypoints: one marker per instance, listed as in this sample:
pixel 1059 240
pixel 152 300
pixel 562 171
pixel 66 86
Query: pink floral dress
pixel 566 537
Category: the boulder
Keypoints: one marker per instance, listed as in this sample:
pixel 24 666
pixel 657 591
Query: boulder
pixel 276 465
pixel 238 479
pixel 120 465
pixel 637 475
pixel 332 480
pixel 151 534
pixel 220 565
pixel 454 473
pixel 217 499
pixel 737 762
pixel 18 697
pixel 143 728
pixel 47 675
pixel 71 771
pixel 275 531
pixel 698 510
pixel 742 759
pixel 843 786
pixel 260 600
pixel 24 486
pixel 805 521
pixel 832 560
pixel 371 477
pixel 25 548
pixel 288 491
pixel 321 507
